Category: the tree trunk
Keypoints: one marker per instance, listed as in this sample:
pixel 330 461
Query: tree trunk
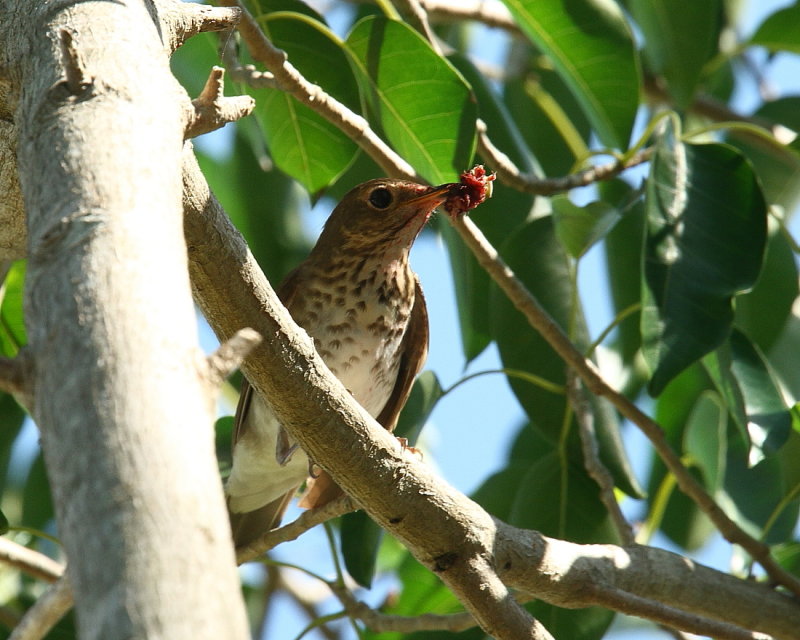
pixel 121 393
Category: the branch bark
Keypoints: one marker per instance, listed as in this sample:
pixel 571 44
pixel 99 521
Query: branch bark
pixel 446 531
pixel 121 395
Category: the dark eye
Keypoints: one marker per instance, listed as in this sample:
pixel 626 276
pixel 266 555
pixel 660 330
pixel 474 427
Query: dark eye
pixel 380 198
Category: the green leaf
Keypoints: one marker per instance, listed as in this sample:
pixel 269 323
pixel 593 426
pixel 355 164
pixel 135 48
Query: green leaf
pixel 302 143
pixel 4 526
pixel 778 166
pixel 705 439
pixel 779 31
pixel 539 261
pixel 591 47
pixel 12 316
pixel 423 105
pixel 424 395
pixel 763 312
pixel 37 507
pixel 550 119
pixel 623 254
pixel 768 419
pixel 679 38
pixel 360 541
pixel 706 233
pixel 497 217
pixel 579 227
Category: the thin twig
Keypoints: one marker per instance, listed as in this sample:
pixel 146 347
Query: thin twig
pixel 295 529
pixel 212 109
pixel 591 457
pixel 511 175
pixel 227 358
pixel 48 609
pixel 29 561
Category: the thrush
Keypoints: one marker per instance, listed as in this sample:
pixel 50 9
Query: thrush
pixel 358 298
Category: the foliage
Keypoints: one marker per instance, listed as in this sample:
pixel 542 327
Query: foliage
pixel 701 268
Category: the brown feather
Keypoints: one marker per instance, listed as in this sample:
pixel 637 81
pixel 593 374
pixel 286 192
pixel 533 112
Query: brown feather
pixel 322 489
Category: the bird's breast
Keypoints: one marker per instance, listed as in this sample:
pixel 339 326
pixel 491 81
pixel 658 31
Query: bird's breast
pixel 358 323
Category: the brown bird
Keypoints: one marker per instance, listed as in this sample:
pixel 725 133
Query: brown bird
pixel 358 298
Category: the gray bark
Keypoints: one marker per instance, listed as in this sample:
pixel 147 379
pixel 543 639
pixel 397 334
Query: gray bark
pixel 122 396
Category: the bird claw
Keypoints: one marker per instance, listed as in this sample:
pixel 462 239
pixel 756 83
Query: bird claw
pixel 406 447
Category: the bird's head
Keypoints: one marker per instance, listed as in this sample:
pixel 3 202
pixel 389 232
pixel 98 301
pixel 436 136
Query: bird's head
pixel 382 212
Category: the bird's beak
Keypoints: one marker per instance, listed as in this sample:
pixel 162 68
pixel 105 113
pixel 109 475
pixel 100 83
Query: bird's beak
pixel 434 196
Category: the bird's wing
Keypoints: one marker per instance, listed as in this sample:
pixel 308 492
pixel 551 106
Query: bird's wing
pixel 414 351
pixel 322 489
pixel 286 292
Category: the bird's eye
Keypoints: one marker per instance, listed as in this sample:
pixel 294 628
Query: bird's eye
pixel 380 198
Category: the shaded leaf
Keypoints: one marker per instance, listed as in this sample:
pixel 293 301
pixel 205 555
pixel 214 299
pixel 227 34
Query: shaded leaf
pixel 705 439
pixel 623 254
pixel 360 541
pixel 592 48
pixel 539 261
pixel 548 114
pixel 763 312
pixel 768 419
pixel 423 105
pixel 580 227
pixel 706 233
pixel 497 217
pixel 679 37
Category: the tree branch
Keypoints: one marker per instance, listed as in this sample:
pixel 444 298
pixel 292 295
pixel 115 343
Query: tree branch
pixel 29 561
pixel 447 532
pixel 126 425
pixel 48 609
pixel 212 110
pixel 539 319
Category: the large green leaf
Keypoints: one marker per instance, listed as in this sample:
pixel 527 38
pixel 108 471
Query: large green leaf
pixel 763 312
pixel 706 233
pixel 540 262
pixel 706 439
pixel 623 254
pixel 422 104
pixel 679 37
pixel 306 146
pixel 591 46
pixel 779 31
pixel 498 217
pixel 778 166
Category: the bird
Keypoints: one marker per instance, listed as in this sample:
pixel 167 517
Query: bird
pixel 358 298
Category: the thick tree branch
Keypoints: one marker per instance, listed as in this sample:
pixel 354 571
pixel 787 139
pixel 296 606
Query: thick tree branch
pixel 125 418
pixel 447 532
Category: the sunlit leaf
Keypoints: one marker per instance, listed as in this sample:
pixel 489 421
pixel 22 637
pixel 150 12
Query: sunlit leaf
pixel 706 233
pixel 304 144
pixel 779 31
pixel 12 317
pixel 421 102
pixel 591 46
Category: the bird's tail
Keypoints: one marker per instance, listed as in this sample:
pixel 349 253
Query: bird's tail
pixel 249 526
